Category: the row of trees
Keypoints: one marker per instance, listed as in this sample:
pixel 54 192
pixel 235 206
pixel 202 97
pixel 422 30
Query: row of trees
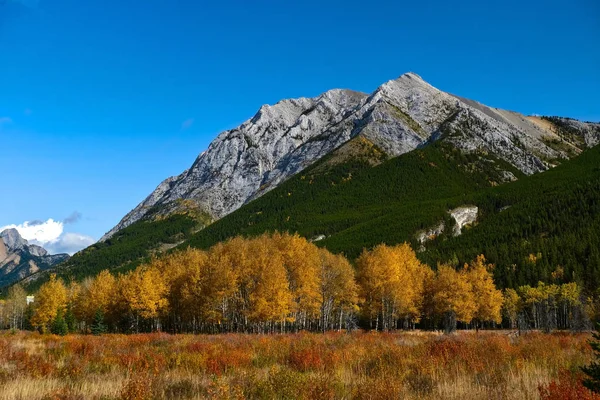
pixel 284 283
pixel 397 290
pixel 547 307
pixel 13 310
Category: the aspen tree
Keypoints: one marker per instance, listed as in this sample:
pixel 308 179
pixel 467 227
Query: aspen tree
pixel 338 288
pixel 49 301
pixel 453 297
pixel 488 299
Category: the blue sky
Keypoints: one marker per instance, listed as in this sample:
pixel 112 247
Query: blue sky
pixel 102 100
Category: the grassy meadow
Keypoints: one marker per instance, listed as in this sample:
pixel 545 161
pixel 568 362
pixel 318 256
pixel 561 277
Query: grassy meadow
pixel 359 365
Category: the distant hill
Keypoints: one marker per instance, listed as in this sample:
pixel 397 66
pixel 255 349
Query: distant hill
pixel 19 259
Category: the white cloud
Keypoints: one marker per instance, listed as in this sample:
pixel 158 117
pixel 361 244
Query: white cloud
pixel 37 231
pixel 5 120
pixel 70 243
pixel 51 236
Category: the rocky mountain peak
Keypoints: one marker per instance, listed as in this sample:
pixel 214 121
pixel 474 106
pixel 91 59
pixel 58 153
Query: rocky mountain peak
pixel 411 75
pixel 12 239
pixel 19 259
pixel 399 116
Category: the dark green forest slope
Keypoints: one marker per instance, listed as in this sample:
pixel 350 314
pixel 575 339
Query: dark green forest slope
pixel 355 205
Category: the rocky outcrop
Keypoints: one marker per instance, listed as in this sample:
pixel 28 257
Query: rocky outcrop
pixel 19 259
pixel 463 216
pixel 12 240
pixel 401 115
pixel 431 233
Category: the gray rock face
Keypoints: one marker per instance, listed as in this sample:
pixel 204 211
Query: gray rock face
pixel 401 115
pixel 37 250
pixel 463 216
pixel 431 233
pixel 19 259
pixel 13 240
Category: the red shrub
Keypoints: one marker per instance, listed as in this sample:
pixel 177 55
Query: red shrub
pixel 305 359
pixel 567 387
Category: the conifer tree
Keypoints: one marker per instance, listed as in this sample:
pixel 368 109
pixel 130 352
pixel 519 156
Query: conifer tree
pixel 593 370
pixel 70 319
pixel 59 325
pixel 98 327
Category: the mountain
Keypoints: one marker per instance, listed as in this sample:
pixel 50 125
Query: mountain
pixel 348 170
pixel 448 204
pixel 401 115
pixel 19 259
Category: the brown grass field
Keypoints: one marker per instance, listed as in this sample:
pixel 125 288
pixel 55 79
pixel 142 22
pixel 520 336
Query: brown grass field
pixel 401 365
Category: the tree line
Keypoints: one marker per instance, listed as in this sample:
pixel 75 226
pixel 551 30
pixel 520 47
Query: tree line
pixel 284 283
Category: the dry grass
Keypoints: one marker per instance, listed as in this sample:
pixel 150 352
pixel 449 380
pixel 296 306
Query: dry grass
pixel 417 365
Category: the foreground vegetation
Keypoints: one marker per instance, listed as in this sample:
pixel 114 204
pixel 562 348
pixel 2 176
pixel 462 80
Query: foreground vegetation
pixel 302 366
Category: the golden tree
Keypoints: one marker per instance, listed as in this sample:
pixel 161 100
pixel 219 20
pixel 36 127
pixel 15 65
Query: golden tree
pixel 216 285
pixel 511 306
pixel 145 292
pixel 181 272
pixel 96 294
pixel 269 293
pixel 488 299
pixel 49 301
pixel 570 298
pixel 453 297
pixel 301 261
pixel 338 288
pixel 392 284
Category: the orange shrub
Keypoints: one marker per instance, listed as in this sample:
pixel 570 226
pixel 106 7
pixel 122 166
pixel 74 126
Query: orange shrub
pixel 566 387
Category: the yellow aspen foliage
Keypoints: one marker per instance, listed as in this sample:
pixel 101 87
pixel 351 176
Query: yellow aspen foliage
pixel 378 282
pixel 570 293
pixel 283 282
pixel 301 261
pixel 237 251
pixel 145 291
pixel 97 294
pixel 392 282
pixel 511 306
pixel 488 299
pixel 270 296
pixel 181 273
pixel 338 288
pixel 558 274
pixel 216 285
pixel 453 294
pixel 51 298
pixel 531 295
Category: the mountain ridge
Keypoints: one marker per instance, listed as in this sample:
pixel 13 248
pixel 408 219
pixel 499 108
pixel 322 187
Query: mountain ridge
pixel 401 115
pixel 19 259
